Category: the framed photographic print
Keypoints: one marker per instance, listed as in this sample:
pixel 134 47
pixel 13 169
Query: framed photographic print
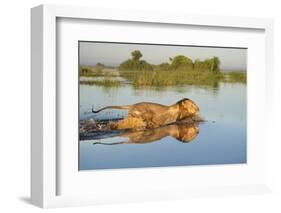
pixel 125 100
pixel 132 106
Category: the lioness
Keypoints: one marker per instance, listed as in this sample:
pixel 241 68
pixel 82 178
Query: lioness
pixel 182 132
pixel 155 115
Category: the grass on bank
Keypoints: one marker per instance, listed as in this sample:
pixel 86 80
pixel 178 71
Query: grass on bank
pixel 171 78
pixel 236 77
pixel 103 83
pixel 162 78
pixel 97 71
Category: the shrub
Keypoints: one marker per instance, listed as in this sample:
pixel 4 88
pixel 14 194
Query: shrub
pixel 135 63
pixel 181 62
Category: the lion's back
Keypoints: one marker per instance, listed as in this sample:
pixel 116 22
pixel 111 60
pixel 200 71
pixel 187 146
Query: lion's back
pixel 149 107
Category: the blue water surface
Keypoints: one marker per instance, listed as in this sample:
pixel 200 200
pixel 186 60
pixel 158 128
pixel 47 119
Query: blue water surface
pixel 221 139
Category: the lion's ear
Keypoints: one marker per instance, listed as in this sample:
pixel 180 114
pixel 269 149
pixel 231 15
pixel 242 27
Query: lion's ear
pixel 182 100
pixel 187 104
pixel 181 105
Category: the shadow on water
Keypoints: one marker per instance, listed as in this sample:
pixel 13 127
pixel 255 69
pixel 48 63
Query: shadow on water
pixel 183 132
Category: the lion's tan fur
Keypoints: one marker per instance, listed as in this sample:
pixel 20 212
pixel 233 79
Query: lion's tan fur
pixel 152 115
pixel 130 122
pixel 155 115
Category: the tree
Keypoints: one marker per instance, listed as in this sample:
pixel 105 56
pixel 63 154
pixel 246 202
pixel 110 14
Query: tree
pixel 136 55
pixel 100 64
pixel 181 62
pixel 135 63
pixel 163 66
pixel 216 65
pixel 212 64
pixel 198 65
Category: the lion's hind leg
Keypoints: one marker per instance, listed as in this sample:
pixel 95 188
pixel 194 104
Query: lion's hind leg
pixel 130 123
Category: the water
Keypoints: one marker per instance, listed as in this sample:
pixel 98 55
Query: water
pixel 219 140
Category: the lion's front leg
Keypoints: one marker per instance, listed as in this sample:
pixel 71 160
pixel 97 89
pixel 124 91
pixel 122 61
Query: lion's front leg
pixel 153 122
pixel 147 118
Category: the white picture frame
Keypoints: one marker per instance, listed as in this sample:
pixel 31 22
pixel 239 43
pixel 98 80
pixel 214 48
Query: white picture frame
pixel 44 150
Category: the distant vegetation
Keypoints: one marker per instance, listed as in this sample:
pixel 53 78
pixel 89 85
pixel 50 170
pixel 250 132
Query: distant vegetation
pixel 180 77
pixel 180 70
pixel 104 82
pixel 236 77
pixel 135 63
pixel 179 62
pixel 99 70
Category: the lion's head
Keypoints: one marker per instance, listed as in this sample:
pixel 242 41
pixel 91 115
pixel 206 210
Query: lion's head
pixel 187 108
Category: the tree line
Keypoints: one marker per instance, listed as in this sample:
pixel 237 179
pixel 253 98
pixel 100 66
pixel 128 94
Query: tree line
pixel 179 62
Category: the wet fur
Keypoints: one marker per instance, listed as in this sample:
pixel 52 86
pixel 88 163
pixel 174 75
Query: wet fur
pixel 154 115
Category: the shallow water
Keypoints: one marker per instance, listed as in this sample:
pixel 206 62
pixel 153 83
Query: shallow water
pixel 220 140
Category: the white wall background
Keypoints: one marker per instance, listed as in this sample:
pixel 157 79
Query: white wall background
pixel 15 105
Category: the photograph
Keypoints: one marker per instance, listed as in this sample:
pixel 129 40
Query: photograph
pixel 144 105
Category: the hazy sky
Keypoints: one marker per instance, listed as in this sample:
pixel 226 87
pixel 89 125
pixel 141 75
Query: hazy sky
pixel 112 54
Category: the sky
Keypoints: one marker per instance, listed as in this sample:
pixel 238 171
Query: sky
pixel 112 54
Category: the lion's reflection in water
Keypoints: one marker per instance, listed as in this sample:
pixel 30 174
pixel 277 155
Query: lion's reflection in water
pixel 182 132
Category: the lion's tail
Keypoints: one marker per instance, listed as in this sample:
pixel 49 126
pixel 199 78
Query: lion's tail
pixel 110 107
